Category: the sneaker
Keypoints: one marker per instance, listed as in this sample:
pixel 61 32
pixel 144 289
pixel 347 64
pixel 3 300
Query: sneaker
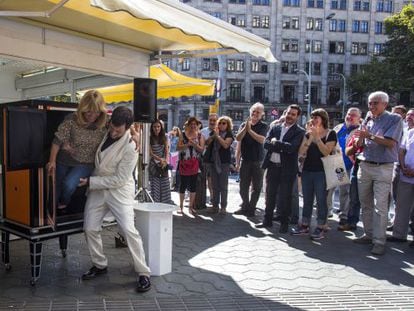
pixel 318 234
pixel 93 273
pixel 240 211
pixel 300 230
pixel 363 240
pixel 378 249
pixel 144 284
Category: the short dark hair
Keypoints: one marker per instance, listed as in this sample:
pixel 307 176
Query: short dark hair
pixel 296 107
pixel 122 116
pixel 319 112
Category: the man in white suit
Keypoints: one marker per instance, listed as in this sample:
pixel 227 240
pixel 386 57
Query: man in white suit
pixel 111 187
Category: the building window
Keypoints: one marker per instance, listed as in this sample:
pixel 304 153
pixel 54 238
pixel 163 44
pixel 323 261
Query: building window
pixel 285 67
pixel 316 68
pixel 293 67
pixel 361 5
pixel 185 66
pixel 216 14
pixel 291 3
pixel 259 94
pixel 265 21
pixel 385 6
pixel 235 114
pixel 378 48
pixel 290 45
pixel 235 92
pixel 359 48
pixel 337 25
pixel 338 4
pixel 290 22
pixel 333 25
pixel 256 21
pixel 379 28
pixel 364 27
pixel 355 26
pixel 206 64
pixel 354 68
pixel 341 25
pixel 240 65
pixel 237 20
pixel 315 4
pixel 231 64
pixel 335 68
pixel 336 47
pixel 314 23
pixel 238 1
pixel 214 64
pixel 258 66
pixel 288 93
pixel 261 2
pixel 317 46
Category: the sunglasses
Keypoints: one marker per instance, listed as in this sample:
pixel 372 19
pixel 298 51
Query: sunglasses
pixel 222 123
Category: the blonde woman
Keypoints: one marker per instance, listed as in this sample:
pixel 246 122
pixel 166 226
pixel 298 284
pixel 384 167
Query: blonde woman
pixel 72 154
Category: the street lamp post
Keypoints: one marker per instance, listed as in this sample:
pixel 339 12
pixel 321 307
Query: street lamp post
pixel 344 95
pixel 309 74
pixel 308 77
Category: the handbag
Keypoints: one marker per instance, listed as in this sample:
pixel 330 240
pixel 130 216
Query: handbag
pixel 334 168
pixel 156 170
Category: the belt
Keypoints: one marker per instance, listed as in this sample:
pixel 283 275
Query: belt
pixel 377 163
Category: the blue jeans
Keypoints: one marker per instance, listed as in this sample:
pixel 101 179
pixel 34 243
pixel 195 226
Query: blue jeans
pixel 354 204
pixel 67 180
pixel 314 183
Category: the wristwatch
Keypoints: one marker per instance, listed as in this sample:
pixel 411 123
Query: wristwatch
pixel 371 137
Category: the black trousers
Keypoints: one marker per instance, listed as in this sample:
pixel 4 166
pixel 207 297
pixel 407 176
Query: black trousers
pixel 251 173
pixel 278 188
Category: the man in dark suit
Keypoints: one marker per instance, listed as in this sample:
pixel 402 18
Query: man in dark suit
pixel 282 144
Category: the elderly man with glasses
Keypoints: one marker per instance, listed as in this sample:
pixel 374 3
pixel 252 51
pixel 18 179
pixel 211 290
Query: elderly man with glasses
pixel 380 136
pixel 252 134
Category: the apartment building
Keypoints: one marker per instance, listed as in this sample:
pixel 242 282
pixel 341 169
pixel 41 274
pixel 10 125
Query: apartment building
pixel 336 36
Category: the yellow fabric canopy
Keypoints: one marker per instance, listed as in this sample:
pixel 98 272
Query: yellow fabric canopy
pixel 150 25
pixel 169 84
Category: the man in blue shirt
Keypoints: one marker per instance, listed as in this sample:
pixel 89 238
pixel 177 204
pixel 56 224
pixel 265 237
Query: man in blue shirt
pixel 380 136
pixel 352 121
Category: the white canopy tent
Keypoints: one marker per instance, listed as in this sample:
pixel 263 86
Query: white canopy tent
pixel 115 37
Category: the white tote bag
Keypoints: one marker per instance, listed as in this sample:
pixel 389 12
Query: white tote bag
pixel 335 171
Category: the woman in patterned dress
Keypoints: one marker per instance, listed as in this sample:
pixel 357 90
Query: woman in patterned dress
pixel 159 152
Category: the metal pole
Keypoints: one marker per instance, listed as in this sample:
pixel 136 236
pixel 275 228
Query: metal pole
pixel 310 71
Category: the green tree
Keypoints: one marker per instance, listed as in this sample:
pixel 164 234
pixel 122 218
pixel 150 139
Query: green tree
pixel 393 71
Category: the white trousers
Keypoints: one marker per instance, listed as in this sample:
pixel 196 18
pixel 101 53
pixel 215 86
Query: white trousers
pixel 96 208
pixel 374 186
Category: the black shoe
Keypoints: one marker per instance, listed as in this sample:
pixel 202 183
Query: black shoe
pixel 277 218
pixel 342 222
pixel 264 225
pixel 93 273
pixel 284 227
pixel 144 284
pixel 240 211
pixel 395 239
pixel 390 228
pixel 120 242
pixel 250 214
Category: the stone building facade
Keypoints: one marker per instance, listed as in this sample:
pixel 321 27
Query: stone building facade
pixel 342 36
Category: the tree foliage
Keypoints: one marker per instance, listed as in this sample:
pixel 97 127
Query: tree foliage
pixel 393 71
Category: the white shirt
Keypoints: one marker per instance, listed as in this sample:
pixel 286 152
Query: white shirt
pixel 408 145
pixel 275 156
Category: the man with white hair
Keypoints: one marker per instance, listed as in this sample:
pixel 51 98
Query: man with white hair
pixel 380 136
pixel 343 130
pixel 252 134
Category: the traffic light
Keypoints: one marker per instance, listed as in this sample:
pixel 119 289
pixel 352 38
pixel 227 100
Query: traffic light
pixel 306 99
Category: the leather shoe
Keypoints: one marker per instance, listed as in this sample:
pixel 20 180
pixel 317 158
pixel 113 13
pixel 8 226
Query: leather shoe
pixel 284 227
pixel 144 284
pixel 240 211
pixel 264 225
pixel 250 214
pixel 93 273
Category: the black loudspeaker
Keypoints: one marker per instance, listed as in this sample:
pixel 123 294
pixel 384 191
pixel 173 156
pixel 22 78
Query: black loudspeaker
pixel 145 100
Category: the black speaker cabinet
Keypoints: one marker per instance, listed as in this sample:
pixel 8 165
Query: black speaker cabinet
pixel 145 100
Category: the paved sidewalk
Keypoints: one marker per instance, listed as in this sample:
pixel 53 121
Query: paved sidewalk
pixel 216 257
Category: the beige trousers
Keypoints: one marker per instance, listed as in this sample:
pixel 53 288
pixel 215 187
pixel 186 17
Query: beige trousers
pixel 374 187
pixel 95 210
